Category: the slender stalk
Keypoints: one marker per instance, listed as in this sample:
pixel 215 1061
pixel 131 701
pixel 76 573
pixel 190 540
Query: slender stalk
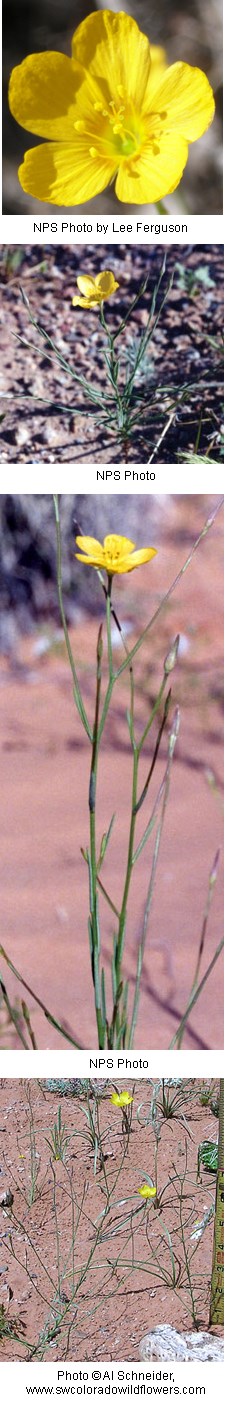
pixel 211 884
pixel 47 1012
pixel 10 1011
pixel 171 590
pixel 77 692
pixel 164 791
pixel 108 623
pixel 186 1259
pixel 195 997
pixel 216 1314
pixel 121 931
pixel 94 922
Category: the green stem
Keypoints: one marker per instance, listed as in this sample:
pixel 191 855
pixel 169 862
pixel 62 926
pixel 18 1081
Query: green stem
pixel 122 924
pixel 162 211
pixel 165 599
pixel 153 713
pixel 108 624
pixel 94 922
pixel 156 750
pixel 195 997
pixel 12 1015
pixel 77 693
pixel 211 884
pixel 164 789
pixel 51 1019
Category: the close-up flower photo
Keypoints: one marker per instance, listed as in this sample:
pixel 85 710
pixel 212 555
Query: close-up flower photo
pixel 111 741
pixel 113 355
pixel 121 107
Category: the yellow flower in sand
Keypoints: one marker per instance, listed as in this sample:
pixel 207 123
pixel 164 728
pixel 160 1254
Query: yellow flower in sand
pixel 116 554
pixel 147 1191
pixel 112 111
pixel 94 291
pixel 121 1099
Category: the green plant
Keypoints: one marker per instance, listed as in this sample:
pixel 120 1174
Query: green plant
pixel 116 1014
pixel 11 1327
pixel 216 1313
pixel 192 280
pixel 108 1235
pixel 119 408
pixel 59 1139
pixel 34 1158
pixel 206 1096
pixel 208 1156
pixel 130 402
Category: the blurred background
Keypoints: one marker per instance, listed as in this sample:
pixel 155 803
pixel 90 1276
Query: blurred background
pixel 189 30
pixel 45 758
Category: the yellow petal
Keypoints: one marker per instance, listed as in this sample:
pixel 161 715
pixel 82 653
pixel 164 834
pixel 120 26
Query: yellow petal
pixel 158 68
pixel 158 56
pixel 116 543
pixel 106 282
pixel 97 561
pixel 93 552
pixel 151 177
pixel 186 95
pixel 146 1190
pixel 88 544
pixel 85 303
pixel 64 175
pixel 42 95
pixel 141 556
pixel 121 1099
pixel 115 52
pixel 86 284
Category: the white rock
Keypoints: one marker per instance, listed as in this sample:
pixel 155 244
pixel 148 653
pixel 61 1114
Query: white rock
pixel 164 1344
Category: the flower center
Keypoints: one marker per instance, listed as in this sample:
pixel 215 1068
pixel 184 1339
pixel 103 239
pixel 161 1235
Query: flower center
pixel 112 556
pixel 121 131
pixel 124 131
pixel 117 128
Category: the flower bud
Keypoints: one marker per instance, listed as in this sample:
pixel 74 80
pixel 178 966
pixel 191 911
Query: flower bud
pixel 171 658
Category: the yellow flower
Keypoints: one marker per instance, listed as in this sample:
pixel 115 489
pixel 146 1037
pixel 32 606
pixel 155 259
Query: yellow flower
pixel 116 554
pixel 121 1099
pixel 112 111
pixel 94 290
pixel 147 1191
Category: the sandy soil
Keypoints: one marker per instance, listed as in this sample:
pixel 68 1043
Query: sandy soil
pixel 178 391
pixel 103 1325
pixel 45 762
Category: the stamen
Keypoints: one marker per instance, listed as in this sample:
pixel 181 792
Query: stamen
pixel 93 151
pixel 79 125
